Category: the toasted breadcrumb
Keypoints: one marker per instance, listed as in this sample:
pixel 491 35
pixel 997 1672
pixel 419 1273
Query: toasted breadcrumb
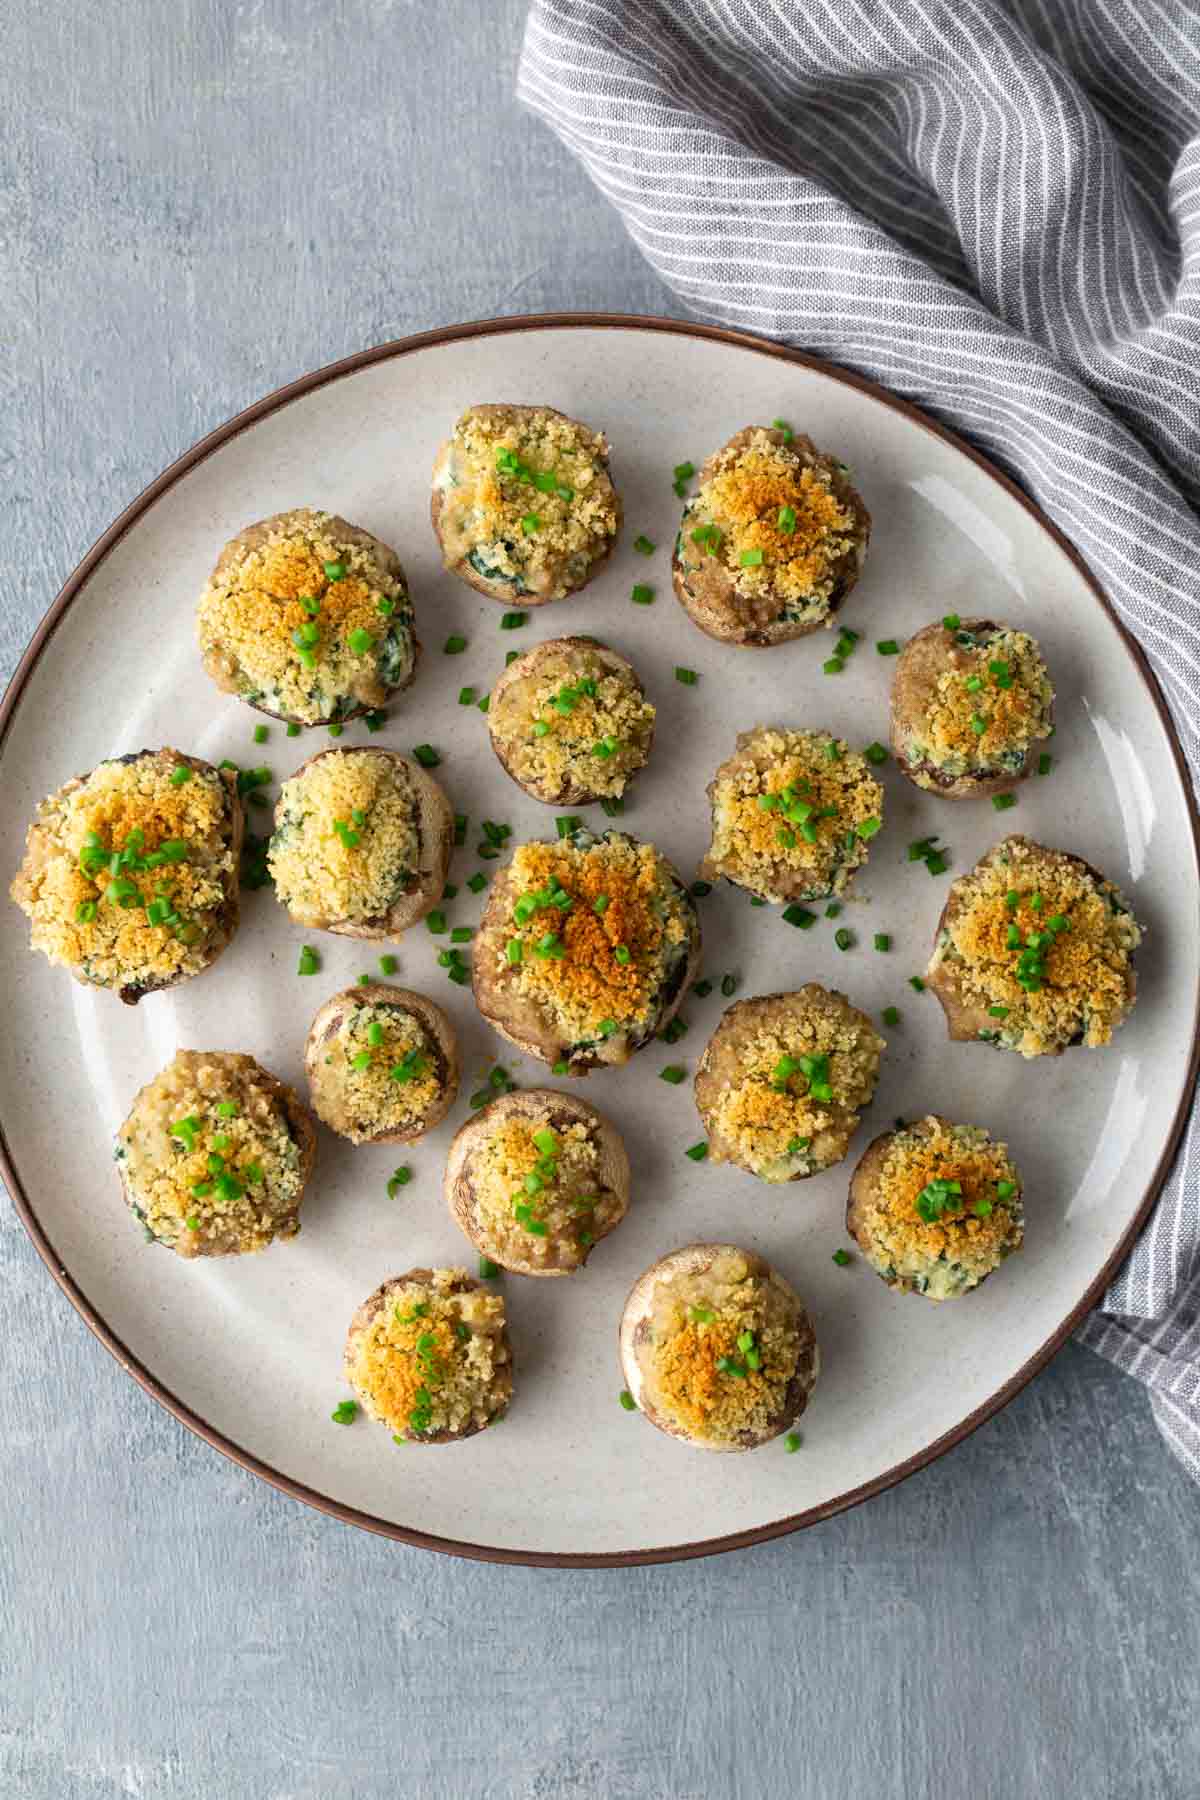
pixel 321 875
pixel 75 922
pixel 1087 984
pixel 431 1356
pixel 541 526
pixel 251 611
pixel 764 849
pixel 221 1183
pixel 976 1230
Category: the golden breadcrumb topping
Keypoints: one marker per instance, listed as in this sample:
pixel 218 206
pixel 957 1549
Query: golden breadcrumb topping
pixel 991 701
pixel 346 842
pixel 310 623
pixel 432 1358
pixel 781 512
pixel 538 1191
pixel 723 1348
pixel 793 814
pixel 1034 934
pixel 945 1209
pixel 526 498
pixel 379 1071
pixel 129 873
pixel 595 964
pixel 573 722
pixel 209 1157
pixel 790 1077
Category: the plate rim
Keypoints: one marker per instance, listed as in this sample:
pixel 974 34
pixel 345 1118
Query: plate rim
pixel 74 586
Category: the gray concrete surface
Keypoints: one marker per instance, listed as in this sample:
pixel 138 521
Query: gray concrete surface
pixel 198 202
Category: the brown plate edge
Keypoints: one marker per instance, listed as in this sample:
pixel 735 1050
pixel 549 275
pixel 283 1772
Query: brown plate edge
pixel 759 1534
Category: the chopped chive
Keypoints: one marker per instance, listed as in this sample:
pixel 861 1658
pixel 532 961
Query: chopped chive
pixel 399 1178
pixel 334 571
pixel 621 953
pixel 561 1067
pixel 674 1073
pixel 612 809
pixel 477 883
pixel 997 1012
pixel 833 909
pixel 882 941
pixel 360 642
pixel 627 1400
pixel 698 1152
pixel 843 939
pixel 364 980
pixel 454 645
pixel 466 696
pixel 791 1442
pixel 488 1270
pixel 293 730
pixel 787 519
pixel 530 523
pixel 888 647
pixel 388 965
pixel 642 595
pixel 1045 762
pixel 833 665
pixel 702 989
pixel 875 753
pixel 643 545
pixel 867 829
pixel 1002 802
pixel 841 1258
pixel 783 426
pixel 514 951
pixel 800 917
pixel 179 774
pixel 951 621
pixel 978 724
pixel 427 756
pixel 435 922
pixel 688 677
pixel 684 471
pixel 729 984
pixel 513 621
pixel 1006 1189
pixel 458 975
pixel 375 720
pixel 672 1032
pixel 309 962
pixel 938 863
pixel 750 559
pixel 566 823
pixel 698 889
pixel 891 1015
pixel 914 981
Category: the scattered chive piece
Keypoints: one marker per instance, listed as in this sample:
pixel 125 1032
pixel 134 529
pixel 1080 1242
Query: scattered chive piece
pixel 360 642
pixel 674 1073
pixel 513 951
pixel 791 1442
pixel 698 1152
pixel 477 883
pixel 914 981
pixel 436 922
pixel 782 425
pixel 293 730
pixel 1006 1189
pixel 843 939
pixel 799 916
pixel 891 1015
pixel 566 823
pixel 787 519
pixel 688 677
pixel 530 523
pixel 938 863
pixel 888 647
pixel 364 981
pixel 335 570
pixel 867 829
pixel 399 1178
pixel 833 665
pixel 458 975
pixel 875 753
pixel 642 595
pixel 466 696
pixel 601 903
pixel 841 1258
pixel 627 1400
pixel 1045 761
pixel 621 953
pixel 973 683
pixel 750 559
pixel 1002 802
pixel 703 988
pixel 488 1269
pixel 978 724
pixel 698 889
pixel 309 962
pixel 375 721
pixel 454 645
pixel 729 985
pixel 335 730
pixel 612 809
pixel 560 1068
pixel 997 1012
pixel 513 621
pixel 179 774
pixel 882 941
pixel 261 734
pixel 684 471
pixel 460 828
pixel 344 1412
pixel 388 964
pixel 672 1032
pixel 951 621
pixel 833 909
pixel 427 756
pixel 643 545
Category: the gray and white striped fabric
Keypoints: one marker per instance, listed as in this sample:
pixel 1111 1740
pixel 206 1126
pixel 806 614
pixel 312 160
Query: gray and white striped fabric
pixel 995 210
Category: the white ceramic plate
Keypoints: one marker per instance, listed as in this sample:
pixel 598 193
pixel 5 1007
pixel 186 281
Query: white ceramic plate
pixel 248 1351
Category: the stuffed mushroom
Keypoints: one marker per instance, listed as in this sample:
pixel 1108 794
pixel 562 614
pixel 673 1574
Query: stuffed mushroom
pixel 215 1155
pixel 970 702
pixel 772 542
pixel 1034 952
pixel 570 722
pixel 522 504
pixel 793 815
pixel 585 949
pixel 362 843
pixel 936 1207
pixel 382 1064
pixel 307 618
pixel 130 875
pixel 536 1179
pixel 783 1079
pixel 717 1349
pixel 428 1356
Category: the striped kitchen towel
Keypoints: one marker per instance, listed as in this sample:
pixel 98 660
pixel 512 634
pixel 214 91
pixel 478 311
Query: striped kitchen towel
pixel 994 209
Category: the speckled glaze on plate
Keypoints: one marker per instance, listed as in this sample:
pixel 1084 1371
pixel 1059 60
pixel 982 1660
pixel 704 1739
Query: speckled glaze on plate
pixel 248 1351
